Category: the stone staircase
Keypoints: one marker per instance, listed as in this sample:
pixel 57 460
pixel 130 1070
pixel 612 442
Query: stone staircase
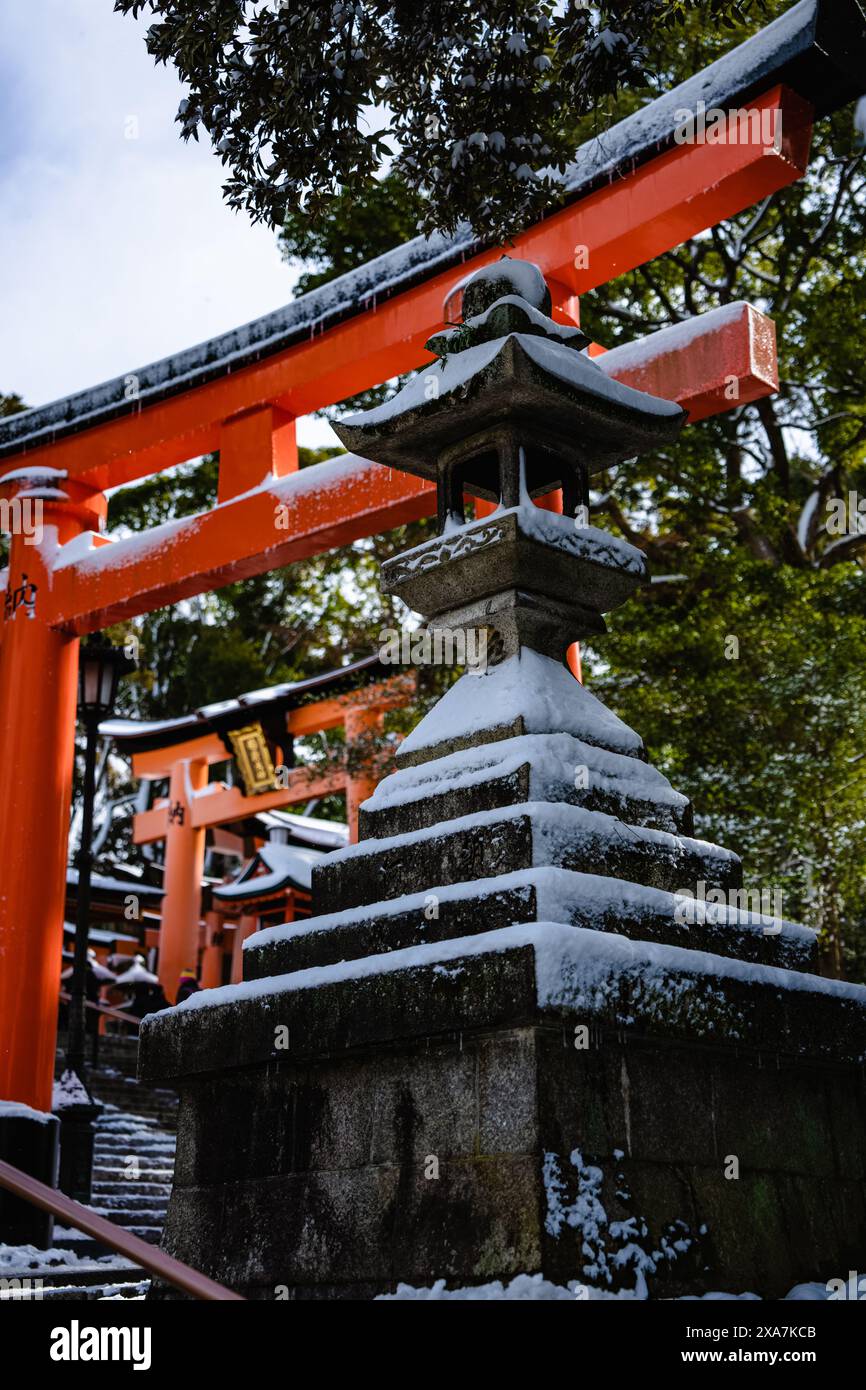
pixel 132 1171
pixel 132 1176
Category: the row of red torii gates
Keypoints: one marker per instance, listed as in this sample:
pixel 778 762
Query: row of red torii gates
pixel 270 514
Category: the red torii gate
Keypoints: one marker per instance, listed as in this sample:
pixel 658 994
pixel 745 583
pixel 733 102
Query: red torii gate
pixel 269 514
pixel 204 805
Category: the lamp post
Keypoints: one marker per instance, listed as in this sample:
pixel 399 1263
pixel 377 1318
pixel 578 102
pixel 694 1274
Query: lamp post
pixel 99 671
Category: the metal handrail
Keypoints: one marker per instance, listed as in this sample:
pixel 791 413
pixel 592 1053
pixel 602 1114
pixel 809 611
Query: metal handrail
pixel 150 1257
pixel 104 1009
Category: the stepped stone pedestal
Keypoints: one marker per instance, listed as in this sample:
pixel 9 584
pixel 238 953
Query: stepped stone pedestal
pixel 507 1043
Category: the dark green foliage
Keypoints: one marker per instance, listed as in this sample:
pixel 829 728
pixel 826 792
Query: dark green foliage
pixel 770 744
pixel 11 404
pixel 304 101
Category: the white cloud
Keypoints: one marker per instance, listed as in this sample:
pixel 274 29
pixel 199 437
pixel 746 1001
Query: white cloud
pixel 117 248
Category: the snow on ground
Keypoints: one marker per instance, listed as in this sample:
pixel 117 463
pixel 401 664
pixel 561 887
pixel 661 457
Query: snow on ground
pixel 28 1259
pixel 526 1288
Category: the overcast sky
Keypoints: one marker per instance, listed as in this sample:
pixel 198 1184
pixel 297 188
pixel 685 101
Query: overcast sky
pixel 116 248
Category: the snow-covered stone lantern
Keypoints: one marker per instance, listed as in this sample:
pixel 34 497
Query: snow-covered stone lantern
pixel 512 409
pixel 500 1047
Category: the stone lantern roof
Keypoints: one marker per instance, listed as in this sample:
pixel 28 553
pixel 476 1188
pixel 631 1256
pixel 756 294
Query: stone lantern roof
pixel 507 379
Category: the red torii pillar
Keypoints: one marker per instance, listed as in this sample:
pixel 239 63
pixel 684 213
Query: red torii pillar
pixel 38 697
pixel 363 725
pixel 184 865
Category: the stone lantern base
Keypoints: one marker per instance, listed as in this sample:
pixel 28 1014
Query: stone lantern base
pixel 529 1104
pixel 511 1046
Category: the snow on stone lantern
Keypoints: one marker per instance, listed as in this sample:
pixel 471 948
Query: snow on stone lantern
pixel 513 409
pixel 530 1016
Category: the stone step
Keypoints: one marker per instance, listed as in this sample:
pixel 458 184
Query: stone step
pixel 142 1145
pixel 145 1216
pixel 159 1118
pixel 82 1245
pixel 129 1201
pixel 521 837
pixel 129 1087
pixel 95 1273
pixel 164 1118
pixel 152 1234
pixel 547 894
pixel 125 1096
pixel 540 767
pixel 125 1122
pixel 115 1121
pixel 103 1188
pixel 141 1149
pixel 118 1173
pixel 130 1093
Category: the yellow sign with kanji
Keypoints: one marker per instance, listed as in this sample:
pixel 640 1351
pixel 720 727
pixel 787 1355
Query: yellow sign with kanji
pixel 253 759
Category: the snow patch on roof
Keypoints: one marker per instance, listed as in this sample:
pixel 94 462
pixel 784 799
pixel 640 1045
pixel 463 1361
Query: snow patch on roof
pixel 629 357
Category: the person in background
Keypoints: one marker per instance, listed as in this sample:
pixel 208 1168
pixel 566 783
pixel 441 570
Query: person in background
pixel 188 985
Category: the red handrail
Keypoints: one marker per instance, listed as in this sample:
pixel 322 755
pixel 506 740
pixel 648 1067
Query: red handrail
pixel 115 1237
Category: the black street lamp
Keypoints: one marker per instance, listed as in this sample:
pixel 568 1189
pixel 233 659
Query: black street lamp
pixel 99 671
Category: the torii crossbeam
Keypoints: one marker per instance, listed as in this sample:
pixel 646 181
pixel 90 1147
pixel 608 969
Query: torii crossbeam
pixel 633 195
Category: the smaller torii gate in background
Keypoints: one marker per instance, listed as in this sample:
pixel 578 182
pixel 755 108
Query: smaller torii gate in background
pixel 634 194
pixel 182 751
